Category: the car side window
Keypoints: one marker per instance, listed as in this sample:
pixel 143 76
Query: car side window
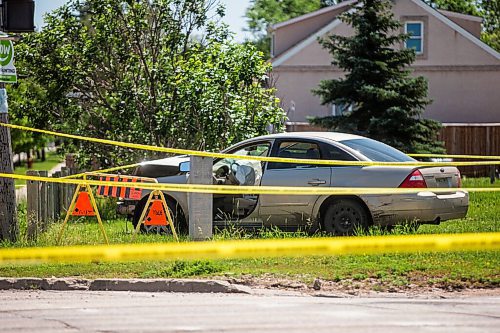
pixel 335 153
pixel 247 172
pixel 260 149
pixel 295 150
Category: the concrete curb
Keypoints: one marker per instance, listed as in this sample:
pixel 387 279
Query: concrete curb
pixel 139 285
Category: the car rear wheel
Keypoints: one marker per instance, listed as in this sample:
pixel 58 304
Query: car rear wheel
pixel 179 221
pixel 345 217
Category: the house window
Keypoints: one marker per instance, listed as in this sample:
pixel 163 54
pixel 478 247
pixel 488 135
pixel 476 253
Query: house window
pixel 416 40
pixel 340 109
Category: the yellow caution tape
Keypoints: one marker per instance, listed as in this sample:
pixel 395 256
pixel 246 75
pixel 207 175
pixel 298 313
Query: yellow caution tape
pixel 478 157
pixel 248 157
pixel 255 248
pixel 234 189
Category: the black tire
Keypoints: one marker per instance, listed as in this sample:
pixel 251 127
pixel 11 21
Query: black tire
pixel 344 217
pixel 177 216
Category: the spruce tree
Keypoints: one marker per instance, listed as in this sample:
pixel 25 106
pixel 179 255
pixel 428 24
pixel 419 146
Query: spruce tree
pixel 386 102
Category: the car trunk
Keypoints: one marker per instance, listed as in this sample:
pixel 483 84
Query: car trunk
pixel 441 177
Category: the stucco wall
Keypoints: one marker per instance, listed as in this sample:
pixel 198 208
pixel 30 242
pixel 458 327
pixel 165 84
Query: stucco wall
pixel 469 23
pixel 464 78
pixel 294 88
pixel 463 96
pixel 289 35
pixel 445 45
pixel 459 96
pixel 314 54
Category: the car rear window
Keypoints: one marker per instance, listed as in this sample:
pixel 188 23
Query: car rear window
pixel 377 151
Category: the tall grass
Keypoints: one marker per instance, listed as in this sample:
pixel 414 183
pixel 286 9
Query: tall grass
pixel 483 216
pixel 383 271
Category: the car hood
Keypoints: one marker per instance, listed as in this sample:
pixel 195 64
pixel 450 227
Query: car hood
pixel 169 161
pixel 164 167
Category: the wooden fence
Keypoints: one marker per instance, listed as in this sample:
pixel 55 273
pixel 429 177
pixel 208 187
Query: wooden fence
pixel 472 139
pixel 46 202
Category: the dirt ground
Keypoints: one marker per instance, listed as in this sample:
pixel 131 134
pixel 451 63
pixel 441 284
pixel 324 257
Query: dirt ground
pixel 365 288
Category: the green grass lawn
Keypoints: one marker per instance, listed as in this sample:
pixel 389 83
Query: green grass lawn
pixel 51 160
pixel 376 272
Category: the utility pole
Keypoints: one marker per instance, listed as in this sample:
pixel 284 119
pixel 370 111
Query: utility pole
pixel 8 212
pixel 16 16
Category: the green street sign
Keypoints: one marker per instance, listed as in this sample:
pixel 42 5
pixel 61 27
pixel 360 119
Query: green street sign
pixel 8 72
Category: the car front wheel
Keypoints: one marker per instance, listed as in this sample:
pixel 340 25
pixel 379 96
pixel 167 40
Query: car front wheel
pixel 345 217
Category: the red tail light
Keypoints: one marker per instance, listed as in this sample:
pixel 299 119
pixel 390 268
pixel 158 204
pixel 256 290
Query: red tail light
pixel 414 180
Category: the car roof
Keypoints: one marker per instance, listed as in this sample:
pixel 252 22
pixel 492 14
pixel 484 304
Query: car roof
pixel 333 136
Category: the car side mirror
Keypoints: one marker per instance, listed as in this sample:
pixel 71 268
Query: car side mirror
pixel 185 166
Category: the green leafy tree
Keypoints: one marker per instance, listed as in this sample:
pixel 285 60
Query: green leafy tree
pixel 387 102
pixel 490 12
pixel 326 3
pixel 263 13
pixel 136 71
pixel 469 7
pixel 25 101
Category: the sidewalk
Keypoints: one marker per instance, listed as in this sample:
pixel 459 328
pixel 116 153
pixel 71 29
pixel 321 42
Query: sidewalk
pixel 21 191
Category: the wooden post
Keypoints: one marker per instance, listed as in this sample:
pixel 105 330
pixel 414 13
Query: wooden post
pixel 64 194
pixel 50 202
pixel 57 195
pixel 42 201
pixel 492 174
pixel 32 210
pixel 70 161
pixel 72 188
pixel 200 204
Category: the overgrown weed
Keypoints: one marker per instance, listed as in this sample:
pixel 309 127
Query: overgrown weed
pixel 179 269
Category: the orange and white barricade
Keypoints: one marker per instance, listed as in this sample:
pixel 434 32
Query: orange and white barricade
pixel 121 192
pixel 155 212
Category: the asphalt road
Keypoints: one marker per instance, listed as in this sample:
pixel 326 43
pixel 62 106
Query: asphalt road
pixel 89 311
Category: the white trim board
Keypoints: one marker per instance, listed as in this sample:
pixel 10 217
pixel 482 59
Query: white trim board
pixel 312 14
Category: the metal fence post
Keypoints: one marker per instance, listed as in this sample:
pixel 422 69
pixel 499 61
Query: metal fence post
pixel 200 204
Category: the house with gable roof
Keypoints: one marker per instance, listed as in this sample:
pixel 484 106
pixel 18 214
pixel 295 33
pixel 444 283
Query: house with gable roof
pixel 463 73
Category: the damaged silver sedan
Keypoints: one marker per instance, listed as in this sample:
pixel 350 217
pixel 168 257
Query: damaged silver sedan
pixel 339 215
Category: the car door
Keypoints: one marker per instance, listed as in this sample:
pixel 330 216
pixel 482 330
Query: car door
pixel 238 172
pixel 292 210
pixel 342 175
